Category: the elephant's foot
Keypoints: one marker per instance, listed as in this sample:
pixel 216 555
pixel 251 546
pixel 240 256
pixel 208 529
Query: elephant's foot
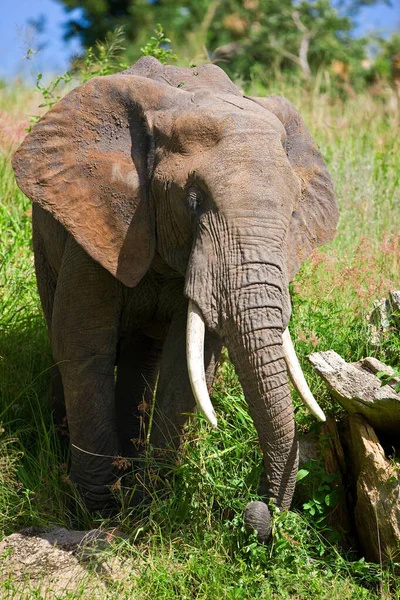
pixel 97 498
pixel 257 517
pixel 98 489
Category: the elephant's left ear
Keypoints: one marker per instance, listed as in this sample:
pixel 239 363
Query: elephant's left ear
pixel 315 218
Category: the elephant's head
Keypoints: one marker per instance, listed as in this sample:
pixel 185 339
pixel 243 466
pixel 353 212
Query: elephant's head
pixel 231 192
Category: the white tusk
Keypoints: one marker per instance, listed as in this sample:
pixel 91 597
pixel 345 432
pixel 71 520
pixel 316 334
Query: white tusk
pixel 297 377
pixel 195 359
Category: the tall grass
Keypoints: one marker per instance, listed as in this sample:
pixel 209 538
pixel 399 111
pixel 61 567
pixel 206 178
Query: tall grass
pixel 189 541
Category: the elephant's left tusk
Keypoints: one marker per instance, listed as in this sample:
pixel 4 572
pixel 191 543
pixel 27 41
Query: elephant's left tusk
pixel 297 377
pixel 195 359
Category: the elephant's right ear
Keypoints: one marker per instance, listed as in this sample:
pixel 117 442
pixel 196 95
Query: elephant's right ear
pixel 87 162
pixel 315 218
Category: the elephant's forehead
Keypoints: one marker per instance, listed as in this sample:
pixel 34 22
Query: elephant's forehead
pixel 204 77
pixel 205 125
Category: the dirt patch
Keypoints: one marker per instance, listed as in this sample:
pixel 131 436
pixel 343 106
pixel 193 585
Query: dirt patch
pixel 51 563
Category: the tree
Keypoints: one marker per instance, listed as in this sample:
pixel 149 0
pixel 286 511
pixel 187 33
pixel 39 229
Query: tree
pixel 101 16
pixel 241 35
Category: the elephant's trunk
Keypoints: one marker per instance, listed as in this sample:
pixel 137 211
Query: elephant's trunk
pixel 255 347
pixel 239 282
pixel 254 339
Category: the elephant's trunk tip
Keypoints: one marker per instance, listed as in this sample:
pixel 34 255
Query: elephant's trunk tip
pixel 195 359
pixel 297 377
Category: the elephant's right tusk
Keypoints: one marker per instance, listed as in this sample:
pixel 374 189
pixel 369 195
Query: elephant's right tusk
pixel 195 360
pixel 297 377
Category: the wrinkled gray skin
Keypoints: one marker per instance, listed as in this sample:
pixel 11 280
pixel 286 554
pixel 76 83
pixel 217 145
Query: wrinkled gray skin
pixel 151 187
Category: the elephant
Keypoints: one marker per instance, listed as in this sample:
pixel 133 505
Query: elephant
pixel 170 213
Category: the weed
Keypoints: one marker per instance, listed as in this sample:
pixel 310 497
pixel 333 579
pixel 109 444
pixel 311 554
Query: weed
pixel 103 59
pixel 158 46
pixel 387 379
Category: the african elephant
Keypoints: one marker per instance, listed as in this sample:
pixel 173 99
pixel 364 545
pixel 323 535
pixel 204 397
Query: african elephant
pixel 156 189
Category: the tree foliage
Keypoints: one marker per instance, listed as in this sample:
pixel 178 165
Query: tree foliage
pixel 244 36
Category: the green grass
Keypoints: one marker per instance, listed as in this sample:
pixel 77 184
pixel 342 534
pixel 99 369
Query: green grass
pixel 190 542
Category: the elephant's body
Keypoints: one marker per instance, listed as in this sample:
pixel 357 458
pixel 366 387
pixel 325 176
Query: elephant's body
pixel 152 187
pixel 116 335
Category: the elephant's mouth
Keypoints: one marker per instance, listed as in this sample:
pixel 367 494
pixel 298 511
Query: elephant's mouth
pixel 195 360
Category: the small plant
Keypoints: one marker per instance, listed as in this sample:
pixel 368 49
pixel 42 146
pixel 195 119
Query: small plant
pixel 103 59
pixel 388 379
pixel 158 47
pixel 323 490
pixel 49 93
pixel 13 497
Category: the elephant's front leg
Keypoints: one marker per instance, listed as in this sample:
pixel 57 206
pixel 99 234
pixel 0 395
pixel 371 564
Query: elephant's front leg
pixel 84 339
pixel 174 397
pixel 137 370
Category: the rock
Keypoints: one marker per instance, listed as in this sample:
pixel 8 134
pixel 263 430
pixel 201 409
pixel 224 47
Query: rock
pixel 377 510
pixel 373 365
pixel 332 449
pixel 53 562
pixel 324 444
pixel 359 390
pixel 335 464
pixel 394 300
pixel 385 314
pixel 380 315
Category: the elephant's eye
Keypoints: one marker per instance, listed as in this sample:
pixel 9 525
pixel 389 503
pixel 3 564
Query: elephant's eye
pixel 194 199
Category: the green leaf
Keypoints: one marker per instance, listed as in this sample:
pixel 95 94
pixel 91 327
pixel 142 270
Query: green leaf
pixel 332 499
pixel 301 474
pixel 382 375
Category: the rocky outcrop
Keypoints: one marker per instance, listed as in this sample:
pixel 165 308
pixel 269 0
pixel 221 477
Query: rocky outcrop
pixel 373 409
pixel 359 390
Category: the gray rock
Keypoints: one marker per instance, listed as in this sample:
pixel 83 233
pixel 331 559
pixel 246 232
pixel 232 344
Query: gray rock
pixel 359 390
pixel 385 314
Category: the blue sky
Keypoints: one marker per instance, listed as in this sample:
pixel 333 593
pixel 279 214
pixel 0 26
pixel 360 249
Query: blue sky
pixel 16 37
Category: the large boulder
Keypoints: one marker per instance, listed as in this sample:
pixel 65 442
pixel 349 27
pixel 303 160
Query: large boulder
pixel 373 408
pixel 359 390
